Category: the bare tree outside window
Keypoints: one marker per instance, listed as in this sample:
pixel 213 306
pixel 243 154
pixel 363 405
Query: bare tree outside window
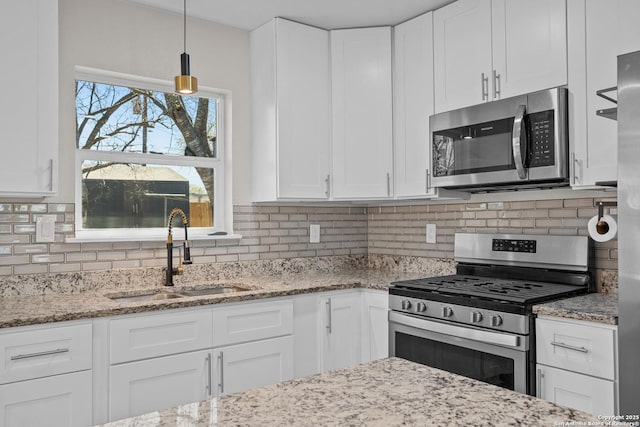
pixel 119 119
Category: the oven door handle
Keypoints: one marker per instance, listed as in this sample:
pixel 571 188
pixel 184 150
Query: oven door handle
pixel 488 337
pixel 519 141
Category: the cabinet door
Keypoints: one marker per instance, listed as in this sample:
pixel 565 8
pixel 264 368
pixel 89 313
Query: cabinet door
pixel 57 401
pixel 341 343
pixel 577 391
pixel 255 364
pixel 303 109
pixel 362 155
pixel 529 46
pixel 375 325
pixel 413 104
pixel 29 111
pixel 462 54
pixel 307 335
pixel 599 31
pixel 149 385
pixel 291 111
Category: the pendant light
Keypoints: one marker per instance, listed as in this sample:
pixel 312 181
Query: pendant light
pixel 185 82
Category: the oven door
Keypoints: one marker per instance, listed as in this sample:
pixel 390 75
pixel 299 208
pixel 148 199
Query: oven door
pixel 497 358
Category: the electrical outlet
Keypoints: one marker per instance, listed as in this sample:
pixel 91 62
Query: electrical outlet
pixel 45 228
pixel 431 233
pixel 314 233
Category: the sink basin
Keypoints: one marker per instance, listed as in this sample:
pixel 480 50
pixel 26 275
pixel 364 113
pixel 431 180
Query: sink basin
pixel 160 295
pixel 155 296
pixel 212 291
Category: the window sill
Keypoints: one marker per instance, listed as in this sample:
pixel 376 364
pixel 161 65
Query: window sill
pixel 137 235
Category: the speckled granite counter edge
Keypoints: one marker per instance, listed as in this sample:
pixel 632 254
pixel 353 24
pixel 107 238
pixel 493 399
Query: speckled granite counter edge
pixel 599 308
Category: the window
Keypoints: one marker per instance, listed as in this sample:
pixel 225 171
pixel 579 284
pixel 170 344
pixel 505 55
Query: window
pixel 141 151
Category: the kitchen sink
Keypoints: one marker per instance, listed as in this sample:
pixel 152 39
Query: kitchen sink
pixel 212 291
pixel 161 295
pixel 155 296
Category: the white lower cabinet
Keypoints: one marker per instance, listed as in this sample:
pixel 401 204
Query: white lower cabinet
pixel 333 330
pixel 145 386
pixel 254 364
pixel 46 376
pixel 341 338
pixel 576 364
pixel 578 391
pixel 173 357
pixel 375 325
pixel 56 401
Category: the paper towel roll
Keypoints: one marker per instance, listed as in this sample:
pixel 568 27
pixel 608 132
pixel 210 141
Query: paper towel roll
pixel 613 228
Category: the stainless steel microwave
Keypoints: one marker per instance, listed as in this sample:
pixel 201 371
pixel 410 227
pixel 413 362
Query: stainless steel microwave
pixel 514 142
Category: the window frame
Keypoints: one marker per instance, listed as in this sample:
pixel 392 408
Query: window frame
pixel 221 164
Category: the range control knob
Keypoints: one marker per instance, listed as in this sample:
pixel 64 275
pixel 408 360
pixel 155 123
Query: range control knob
pixel 447 312
pixel 406 304
pixel 476 317
pixel 496 320
pixel 421 307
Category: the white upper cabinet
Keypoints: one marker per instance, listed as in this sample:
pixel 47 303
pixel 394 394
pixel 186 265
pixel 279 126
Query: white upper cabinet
pixel 412 106
pixel 362 155
pixel 29 111
pixel 599 31
pixel 291 108
pixel 462 54
pixel 529 46
pixel 491 49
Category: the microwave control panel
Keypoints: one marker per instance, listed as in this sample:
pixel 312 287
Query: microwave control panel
pixel 541 139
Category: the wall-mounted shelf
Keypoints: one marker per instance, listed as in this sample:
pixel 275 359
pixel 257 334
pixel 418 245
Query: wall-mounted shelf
pixel 608 113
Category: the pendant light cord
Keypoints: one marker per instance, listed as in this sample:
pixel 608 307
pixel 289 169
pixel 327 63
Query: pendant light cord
pixel 185 26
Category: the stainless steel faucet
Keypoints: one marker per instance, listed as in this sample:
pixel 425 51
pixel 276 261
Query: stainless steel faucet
pixel 171 271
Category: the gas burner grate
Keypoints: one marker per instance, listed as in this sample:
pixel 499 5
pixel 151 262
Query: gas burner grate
pixel 520 291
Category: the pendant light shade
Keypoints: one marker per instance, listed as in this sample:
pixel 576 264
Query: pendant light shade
pixel 185 82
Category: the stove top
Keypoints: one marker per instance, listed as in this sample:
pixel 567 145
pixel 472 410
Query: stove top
pixel 513 291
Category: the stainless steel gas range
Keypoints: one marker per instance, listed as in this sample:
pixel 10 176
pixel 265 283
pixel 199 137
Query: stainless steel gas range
pixel 478 322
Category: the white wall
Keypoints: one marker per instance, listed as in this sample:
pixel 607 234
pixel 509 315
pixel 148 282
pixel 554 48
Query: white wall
pixel 117 35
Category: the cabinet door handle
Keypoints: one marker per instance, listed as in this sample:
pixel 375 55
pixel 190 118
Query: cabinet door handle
pixel 388 184
pixel 428 179
pixel 39 354
pixel 574 167
pixel 484 81
pixel 208 386
pixel 570 347
pixel 539 378
pixel 496 85
pixel 329 325
pixel 221 372
pixel 327 181
pixel 51 175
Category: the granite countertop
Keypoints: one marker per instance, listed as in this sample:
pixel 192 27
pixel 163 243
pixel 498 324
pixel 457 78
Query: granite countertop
pixel 387 392
pixel 601 308
pixel 55 307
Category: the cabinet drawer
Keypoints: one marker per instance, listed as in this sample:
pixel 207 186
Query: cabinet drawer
pixel 583 392
pixel 252 321
pixel 159 334
pixel 575 347
pixel 43 352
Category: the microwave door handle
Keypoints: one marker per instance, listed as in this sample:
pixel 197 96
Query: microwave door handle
pixel 519 141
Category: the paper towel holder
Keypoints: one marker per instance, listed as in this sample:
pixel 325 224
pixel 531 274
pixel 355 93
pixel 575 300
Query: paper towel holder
pixel 602 227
